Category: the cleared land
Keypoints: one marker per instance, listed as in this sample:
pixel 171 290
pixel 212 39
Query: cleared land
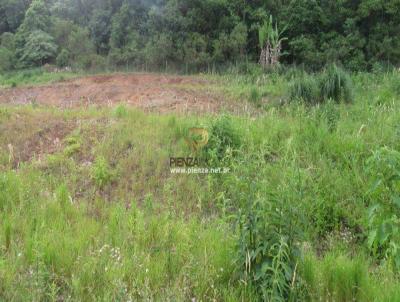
pixel 153 92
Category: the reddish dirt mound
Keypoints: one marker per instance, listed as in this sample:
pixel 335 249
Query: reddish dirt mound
pixel 162 93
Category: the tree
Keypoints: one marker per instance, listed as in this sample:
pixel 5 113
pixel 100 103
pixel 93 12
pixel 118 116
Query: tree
pixel 62 59
pixel 270 43
pixel 80 45
pixel 100 30
pixel 6 59
pixel 35 29
pixel 195 51
pixel 39 49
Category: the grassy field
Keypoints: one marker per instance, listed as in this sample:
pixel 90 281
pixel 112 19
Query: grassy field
pixel 310 210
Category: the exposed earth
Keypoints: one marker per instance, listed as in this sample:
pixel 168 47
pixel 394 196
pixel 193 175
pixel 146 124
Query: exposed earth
pixel 152 92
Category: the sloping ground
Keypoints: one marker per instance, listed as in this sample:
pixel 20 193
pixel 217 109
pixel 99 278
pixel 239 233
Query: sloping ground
pixel 153 92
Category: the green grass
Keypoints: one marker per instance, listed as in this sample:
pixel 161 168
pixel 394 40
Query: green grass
pixel 92 212
pixel 33 77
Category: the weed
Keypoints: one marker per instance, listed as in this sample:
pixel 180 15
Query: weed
pixel 73 145
pixel 267 250
pixel 223 137
pixel 255 97
pixel 336 84
pixel 384 212
pixel 120 111
pixel 305 88
pixel 101 172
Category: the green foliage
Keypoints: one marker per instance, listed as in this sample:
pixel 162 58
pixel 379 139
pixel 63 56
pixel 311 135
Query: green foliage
pixel 99 26
pixel 297 188
pixel 336 278
pixel 267 250
pixel 395 84
pixel 39 49
pixel 384 211
pixel 101 172
pixel 37 17
pixel 305 88
pixel 333 84
pixel 73 145
pixel 255 97
pixel 224 138
pixel 211 35
pixel 80 46
pixel 120 111
pixel 336 84
pixel 269 33
pixel 62 59
pixel 7 59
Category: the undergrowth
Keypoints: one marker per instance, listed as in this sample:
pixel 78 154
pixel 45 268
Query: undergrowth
pixel 308 212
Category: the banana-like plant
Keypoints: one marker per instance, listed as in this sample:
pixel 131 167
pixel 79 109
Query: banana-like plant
pixel 270 39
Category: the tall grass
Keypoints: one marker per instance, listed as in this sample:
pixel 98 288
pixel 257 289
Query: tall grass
pixel 336 84
pixel 108 221
pixel 305 88
pixel 332 84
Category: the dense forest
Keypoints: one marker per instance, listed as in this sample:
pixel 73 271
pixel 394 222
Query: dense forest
pixel 196 34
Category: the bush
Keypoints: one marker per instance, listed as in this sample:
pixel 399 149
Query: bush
pixel 223 136
pixel 395 85
pixel 305 88
pixel 62 59
pixel 6 59
pixel 268 251
pixel 101 172
pixel 120 111
pixel 255 97
pixel 336 84
pixel 384 213
pixel 93 62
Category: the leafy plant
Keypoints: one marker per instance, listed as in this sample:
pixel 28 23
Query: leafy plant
pixel 73 145
pixel 62 59
pixel 223 137
pixel 101 172
pixel 255 97
pixel 336 84
pixel 120 111
pixel 305 88
pixel 267 250
pixel 270 41
pixel 384 212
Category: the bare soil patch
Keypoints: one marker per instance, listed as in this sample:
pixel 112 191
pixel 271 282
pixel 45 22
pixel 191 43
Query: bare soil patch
pixel 152 92
pixel 28 136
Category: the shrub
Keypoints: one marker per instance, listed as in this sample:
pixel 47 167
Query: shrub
pixel 7 59
pixel 267 249
pixel 305 88
pixel 73 145
pixel 255 97
pixel 336 278
pixel 223 137
pixel 384 212
pixel 101 172
pixel 120 111
pixel 336 84
pixel 62 59
pixel 395 84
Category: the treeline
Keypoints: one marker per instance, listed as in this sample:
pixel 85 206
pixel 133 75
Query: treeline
pixel 196 34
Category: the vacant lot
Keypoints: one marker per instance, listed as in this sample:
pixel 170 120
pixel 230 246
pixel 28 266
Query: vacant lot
pixel 160 93
pixel 89 208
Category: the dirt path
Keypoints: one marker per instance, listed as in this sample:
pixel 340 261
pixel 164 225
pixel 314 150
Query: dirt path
pixel 153 92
